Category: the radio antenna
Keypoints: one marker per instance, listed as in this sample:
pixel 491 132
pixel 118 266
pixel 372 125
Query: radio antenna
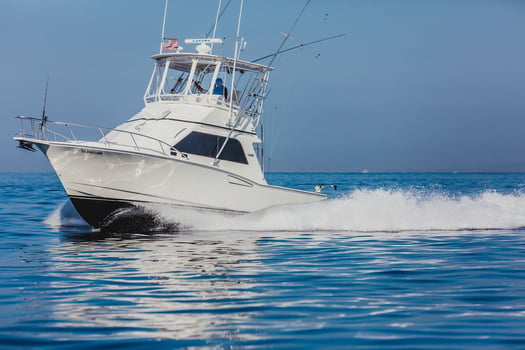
pixel 44 117
pixel 163 25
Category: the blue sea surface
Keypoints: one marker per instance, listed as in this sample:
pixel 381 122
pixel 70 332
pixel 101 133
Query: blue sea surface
pixel 389 261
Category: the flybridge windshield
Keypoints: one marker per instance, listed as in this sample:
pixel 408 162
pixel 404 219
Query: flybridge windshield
pixel 178 75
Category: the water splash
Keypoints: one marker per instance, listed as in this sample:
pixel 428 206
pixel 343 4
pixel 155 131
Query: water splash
pixel 369 210
pixel 65 215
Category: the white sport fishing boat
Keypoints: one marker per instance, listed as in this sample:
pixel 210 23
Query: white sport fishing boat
pixel 194 144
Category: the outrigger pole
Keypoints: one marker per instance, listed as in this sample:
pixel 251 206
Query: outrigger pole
pixel 217 18
pixel 298 46
pixel 287 35
pixel 232 86
pixel 215 25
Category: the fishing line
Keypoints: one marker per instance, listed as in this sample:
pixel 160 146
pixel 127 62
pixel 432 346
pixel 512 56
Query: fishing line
pixel 286 96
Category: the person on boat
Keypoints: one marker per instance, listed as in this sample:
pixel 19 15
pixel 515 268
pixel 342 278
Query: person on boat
pixel 220 89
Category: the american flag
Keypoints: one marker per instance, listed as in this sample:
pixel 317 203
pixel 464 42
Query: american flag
pixel 170 44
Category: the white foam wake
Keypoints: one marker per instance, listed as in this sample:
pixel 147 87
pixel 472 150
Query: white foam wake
pixel 370 210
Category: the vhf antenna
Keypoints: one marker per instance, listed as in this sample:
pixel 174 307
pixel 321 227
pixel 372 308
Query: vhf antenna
pixel 44 117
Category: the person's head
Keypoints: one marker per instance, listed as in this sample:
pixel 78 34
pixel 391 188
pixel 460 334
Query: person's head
pixel 218 81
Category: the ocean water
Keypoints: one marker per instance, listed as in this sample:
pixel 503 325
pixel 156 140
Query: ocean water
pixel 390 261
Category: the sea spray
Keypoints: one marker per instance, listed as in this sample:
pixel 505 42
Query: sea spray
pixel 64 215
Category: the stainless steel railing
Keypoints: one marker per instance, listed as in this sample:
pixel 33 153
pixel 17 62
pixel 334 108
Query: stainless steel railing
pixel 48 131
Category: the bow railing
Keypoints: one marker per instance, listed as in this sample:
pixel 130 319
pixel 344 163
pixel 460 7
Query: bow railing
pixel 69 132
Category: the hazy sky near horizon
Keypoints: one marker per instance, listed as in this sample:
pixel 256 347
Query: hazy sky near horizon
pixel 413 86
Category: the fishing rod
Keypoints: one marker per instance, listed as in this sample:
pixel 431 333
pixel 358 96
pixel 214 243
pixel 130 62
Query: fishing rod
pixel 274 56
pixel 299 46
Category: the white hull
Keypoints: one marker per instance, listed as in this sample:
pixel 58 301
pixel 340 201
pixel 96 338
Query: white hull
pixel 102 175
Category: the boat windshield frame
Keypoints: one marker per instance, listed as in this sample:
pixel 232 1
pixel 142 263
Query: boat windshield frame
pixel 181 76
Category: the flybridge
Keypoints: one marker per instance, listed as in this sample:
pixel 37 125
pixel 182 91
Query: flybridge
pixel 208 79
pixel 201 78
pixel 205 79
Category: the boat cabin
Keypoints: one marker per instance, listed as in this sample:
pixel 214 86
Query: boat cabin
pixel 179 76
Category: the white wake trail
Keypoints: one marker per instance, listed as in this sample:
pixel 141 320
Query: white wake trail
pixel 370 210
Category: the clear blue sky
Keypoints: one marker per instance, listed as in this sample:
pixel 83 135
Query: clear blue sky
pixel 413 86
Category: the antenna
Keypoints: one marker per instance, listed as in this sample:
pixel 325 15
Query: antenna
pixel 44 117
pixel 163 25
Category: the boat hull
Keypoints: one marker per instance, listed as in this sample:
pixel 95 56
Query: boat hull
pixel 119 216
pixel 97 211
pixel 101 182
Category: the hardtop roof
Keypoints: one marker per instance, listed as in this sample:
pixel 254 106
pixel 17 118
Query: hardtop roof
pixel 184 61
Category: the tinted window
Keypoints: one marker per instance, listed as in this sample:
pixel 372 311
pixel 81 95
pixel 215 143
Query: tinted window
pixel 209 145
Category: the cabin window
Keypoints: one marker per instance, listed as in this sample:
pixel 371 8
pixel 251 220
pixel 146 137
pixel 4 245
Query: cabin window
pixel 208 145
